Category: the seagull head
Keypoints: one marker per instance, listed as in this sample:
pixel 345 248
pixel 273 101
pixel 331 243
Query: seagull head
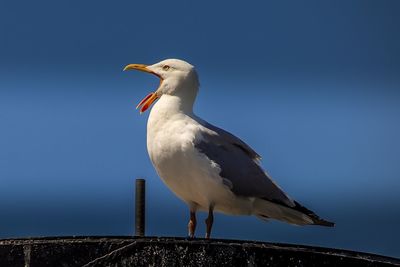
pixel 177 77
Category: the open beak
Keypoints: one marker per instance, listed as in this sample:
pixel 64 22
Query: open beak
pixel 150 98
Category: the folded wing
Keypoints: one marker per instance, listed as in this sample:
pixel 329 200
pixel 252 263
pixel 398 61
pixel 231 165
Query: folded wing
pixel 239 165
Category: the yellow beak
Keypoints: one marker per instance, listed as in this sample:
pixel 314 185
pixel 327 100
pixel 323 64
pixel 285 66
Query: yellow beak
pixel 150 98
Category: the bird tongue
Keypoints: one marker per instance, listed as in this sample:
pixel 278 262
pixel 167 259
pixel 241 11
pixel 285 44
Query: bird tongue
pixel 146 102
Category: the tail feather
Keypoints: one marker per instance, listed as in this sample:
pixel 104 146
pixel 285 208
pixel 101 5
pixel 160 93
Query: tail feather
pixel 298 214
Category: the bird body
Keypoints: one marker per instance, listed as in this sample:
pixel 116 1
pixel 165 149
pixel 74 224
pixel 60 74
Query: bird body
pixel 205 166
pixel 194 178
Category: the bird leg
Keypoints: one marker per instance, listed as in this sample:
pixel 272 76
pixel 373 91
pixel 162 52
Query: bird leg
pixel 209 222
pixel 192 224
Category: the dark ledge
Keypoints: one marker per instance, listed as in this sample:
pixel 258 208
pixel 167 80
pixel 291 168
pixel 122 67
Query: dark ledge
pixel 170 251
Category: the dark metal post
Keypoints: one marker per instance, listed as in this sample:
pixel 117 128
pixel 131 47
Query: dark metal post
pixel 140 207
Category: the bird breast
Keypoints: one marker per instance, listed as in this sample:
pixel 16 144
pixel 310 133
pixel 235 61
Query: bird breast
pixel 170 143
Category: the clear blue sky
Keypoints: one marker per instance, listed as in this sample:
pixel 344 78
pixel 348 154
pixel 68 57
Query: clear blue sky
pixel 313 86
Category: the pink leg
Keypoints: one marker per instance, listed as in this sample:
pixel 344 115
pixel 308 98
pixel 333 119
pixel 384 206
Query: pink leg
pixel 209 222
pixel 192 224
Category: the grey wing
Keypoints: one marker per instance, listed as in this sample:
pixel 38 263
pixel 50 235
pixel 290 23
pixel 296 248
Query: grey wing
pixel 230 138
pixel 239 166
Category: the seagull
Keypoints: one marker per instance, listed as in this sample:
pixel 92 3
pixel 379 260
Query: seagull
pixel 207 167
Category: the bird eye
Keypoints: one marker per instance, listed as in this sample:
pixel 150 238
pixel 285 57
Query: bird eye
pixel 165 67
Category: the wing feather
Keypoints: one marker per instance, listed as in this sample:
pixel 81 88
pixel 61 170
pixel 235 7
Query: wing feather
pixel 239 164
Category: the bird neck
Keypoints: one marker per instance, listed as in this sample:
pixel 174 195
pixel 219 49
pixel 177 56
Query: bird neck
pixel 181 101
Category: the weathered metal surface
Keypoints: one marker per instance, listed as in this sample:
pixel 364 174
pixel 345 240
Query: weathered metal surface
pixel 153 251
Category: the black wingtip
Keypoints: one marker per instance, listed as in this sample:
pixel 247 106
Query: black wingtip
pixel 322 222
pixel 316 220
